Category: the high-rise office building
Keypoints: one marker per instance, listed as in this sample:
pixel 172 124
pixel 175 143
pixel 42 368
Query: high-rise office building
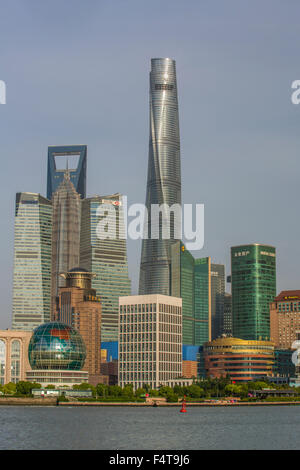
pixel 202 300
pixel 227 322
pixel 60 158
pixel 164 176
pixel 32 261
pixel 66 210
pixel 150 340
pixel 105 255
pixel 79 307
pixel 217 299
pixel 285 318
pixel 190 279
pixel 253 285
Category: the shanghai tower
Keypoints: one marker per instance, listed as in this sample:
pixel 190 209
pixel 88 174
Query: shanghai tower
pixel 164 176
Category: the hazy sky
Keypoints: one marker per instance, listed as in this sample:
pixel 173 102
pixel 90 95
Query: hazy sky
pixel 78 73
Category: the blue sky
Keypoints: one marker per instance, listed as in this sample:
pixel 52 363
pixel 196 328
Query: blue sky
pixel 78 73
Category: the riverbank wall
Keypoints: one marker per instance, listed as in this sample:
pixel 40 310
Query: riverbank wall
pixel 18 401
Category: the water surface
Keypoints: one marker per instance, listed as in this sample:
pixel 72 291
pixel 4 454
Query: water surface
pixel 270 427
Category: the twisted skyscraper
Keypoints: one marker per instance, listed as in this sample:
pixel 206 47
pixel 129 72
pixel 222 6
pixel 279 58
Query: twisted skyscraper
pixel 164 176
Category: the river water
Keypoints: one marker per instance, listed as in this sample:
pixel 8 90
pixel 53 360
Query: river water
pixel 120 428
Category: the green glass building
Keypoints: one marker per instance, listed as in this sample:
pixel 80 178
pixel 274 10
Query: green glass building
pixel 217 299
pixel 106 257
pixel 190 279
pixel 253 283
pixel 32 261
pixel 202 301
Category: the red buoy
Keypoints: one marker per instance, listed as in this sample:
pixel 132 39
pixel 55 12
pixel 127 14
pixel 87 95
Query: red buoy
pixel 183 407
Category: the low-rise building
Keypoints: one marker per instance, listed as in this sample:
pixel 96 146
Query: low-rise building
pixel 189 369
pixel 56 354
pixel 14 361
pixel 242 360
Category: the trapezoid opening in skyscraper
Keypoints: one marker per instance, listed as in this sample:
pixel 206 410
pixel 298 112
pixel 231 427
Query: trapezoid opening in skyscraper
pixel 67 157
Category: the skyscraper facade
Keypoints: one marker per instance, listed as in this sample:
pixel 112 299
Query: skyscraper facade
pixel 150 340
pixel 79 307
pixel 106 257
pixel 32 261
pixel 164 176
pixel 285 318
pixel 66 207
pixel 202 300
pixel 190 279
pixel 227 322
pixel 253 283
pixel 60 158
pixel 217 299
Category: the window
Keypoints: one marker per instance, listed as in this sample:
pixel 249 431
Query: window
pixel 163 86
pixel 2 361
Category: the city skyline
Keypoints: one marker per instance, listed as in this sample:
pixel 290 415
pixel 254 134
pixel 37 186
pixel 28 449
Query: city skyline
pixel 229 164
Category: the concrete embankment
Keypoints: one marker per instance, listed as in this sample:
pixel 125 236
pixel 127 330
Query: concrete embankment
pixel 178 404
pixel 16 401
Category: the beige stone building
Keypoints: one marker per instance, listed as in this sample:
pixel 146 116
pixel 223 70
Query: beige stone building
pixel 150 340
pixel 14 363
pixel 285 319
pixel 190 369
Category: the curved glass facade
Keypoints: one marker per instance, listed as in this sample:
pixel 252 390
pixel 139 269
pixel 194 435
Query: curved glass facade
pixel 253 281
pixel 164 175
pixel 56 345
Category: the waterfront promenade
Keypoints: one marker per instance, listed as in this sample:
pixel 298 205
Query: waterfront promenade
pixel 19 401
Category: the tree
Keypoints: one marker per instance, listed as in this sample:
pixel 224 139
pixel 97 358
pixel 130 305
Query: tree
pixel 139 392
pixel 164 391
pixel 171 397
pixel 127 391
pixel 195 391
pixel 85 386
pixel 9 388
pixel 25 388
pixel 50 387
pixel 259 385
pixel 102 390
pixel 115 391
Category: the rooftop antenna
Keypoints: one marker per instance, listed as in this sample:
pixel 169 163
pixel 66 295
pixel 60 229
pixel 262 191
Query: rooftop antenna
pixel 67 171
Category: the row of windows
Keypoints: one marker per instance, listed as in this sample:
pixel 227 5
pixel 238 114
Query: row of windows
pixel 136 347
pixel 288 306
pixel 129 377
pixel 145 308
pixel 138 318
pixel 15 361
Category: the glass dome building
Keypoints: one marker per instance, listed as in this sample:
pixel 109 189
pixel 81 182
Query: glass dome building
pixel 56 346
